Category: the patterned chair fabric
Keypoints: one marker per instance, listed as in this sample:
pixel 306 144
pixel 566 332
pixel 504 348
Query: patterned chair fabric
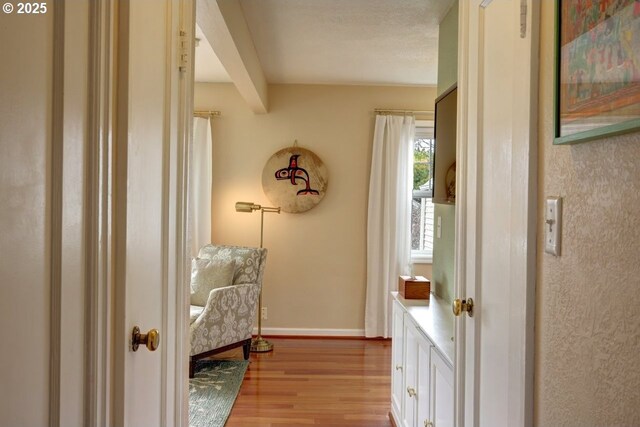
pixel 249 261
pixel 227 319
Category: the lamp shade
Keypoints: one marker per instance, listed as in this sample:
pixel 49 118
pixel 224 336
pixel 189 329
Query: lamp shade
pixel 246 207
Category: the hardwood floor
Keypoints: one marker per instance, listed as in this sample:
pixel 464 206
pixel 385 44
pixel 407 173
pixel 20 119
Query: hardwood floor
pixel 321 382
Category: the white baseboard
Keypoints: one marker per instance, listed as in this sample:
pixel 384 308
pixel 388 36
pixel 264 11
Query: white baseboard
pixel 312 332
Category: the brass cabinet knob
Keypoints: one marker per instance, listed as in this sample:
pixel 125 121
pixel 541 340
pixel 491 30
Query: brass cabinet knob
pixel 463 305
pixel 428 423
pixel 411 391
pixel 151 339
pixel 398 367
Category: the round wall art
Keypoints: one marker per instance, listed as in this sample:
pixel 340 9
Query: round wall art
pixel 295 179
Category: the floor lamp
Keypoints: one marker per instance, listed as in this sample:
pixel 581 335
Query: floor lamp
pixel 258 344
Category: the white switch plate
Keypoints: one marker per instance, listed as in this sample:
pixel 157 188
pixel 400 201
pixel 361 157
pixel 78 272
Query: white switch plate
pixel 553 225
pixel 439 228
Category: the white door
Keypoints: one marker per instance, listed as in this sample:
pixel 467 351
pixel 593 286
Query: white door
pixel 90 213
pixel 140 208
pixel 148 219
pixel 496 212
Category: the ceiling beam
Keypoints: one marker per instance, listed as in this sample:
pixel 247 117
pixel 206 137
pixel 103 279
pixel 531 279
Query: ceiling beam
pixel 224 25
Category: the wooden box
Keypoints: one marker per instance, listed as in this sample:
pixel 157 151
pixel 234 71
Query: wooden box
pixel 417 287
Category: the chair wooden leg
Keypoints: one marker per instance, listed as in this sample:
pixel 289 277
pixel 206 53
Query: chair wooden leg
pixel 246 349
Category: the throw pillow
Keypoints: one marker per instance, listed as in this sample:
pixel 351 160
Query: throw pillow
pixel 208 274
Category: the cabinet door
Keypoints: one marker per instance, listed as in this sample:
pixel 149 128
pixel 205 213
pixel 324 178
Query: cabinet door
pixel 424 376
pixel 410 385
pixel 441 391
pixel 397 360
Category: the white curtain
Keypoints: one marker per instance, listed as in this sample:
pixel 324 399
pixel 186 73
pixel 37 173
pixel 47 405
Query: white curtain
pixel 389 216
pixel 200 179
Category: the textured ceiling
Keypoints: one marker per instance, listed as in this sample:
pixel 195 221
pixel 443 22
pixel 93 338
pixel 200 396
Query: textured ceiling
pixel 392 42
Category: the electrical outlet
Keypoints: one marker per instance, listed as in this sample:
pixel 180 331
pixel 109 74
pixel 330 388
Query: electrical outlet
pixel 264 313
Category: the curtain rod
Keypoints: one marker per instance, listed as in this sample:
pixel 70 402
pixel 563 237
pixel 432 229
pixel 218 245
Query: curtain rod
pixel 210 113
pixel 392 111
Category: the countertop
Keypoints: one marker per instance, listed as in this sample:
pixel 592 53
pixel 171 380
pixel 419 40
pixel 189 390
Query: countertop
pixel 435 319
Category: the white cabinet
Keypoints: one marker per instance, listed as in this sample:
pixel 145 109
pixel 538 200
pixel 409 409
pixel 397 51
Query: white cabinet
pixel 424 378
pixel 410 395
pixel 421 378
pixel 418 372
pixel 397 360
pixel 441 391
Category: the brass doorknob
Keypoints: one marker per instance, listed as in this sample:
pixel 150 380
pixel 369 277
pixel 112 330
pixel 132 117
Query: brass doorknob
pixel 463 305
pixel 151 339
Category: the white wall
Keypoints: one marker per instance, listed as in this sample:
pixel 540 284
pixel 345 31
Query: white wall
pixel 316 267
pixel 25 200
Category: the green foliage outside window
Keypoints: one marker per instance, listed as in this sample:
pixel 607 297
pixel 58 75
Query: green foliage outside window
pixel 421 162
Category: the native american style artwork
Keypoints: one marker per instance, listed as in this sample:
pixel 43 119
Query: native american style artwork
pixel 294 173
pixel 599 64
pixel 300 185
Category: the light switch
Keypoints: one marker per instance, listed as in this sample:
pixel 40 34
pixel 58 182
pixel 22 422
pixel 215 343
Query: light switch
pixel 439 227
pixel 553 225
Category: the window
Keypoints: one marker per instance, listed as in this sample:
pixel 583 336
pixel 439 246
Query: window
pixel 422 204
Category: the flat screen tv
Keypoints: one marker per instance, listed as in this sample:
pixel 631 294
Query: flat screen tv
pixel 445 147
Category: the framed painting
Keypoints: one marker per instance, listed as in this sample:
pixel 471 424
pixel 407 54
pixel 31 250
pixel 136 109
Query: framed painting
pixel 597 81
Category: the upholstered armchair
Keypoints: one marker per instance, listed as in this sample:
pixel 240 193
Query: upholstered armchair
pixel 225 287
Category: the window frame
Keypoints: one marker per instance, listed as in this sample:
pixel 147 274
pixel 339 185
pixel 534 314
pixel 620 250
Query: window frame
pixel 422 256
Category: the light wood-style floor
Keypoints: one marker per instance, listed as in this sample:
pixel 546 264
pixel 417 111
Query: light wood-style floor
pixel 321 382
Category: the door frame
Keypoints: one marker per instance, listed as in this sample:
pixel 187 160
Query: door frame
pixel 101 369
pixel 468 222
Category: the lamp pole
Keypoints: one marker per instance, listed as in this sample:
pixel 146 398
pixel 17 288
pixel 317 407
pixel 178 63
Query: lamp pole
pixel 258 344
pixel 264 209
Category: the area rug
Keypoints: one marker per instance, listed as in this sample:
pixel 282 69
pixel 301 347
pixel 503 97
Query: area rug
pixel 213 391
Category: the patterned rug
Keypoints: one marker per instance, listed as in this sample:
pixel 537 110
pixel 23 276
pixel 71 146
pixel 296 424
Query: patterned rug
pixel 213 391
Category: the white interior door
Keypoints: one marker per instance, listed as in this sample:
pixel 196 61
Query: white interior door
pixel 496 217
pixel 92 172
pixel 140 208
pixel 148 214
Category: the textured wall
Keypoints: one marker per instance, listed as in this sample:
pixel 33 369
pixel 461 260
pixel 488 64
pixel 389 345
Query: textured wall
pixel 587 317
pixel 316 267
pixel 444 251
